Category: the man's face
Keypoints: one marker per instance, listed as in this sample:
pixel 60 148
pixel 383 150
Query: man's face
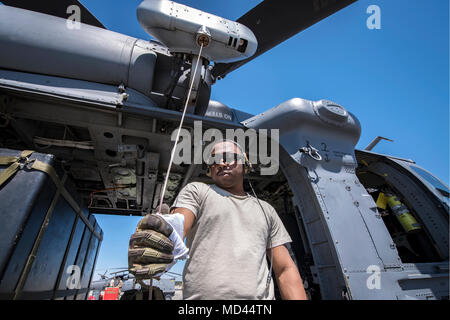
pixel 229 170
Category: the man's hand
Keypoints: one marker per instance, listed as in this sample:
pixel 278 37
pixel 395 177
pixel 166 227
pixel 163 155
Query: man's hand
pixel 150 249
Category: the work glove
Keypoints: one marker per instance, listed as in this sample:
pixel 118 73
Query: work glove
pixel 156 244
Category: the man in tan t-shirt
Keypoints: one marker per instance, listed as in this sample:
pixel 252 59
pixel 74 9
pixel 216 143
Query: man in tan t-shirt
pixel 229 233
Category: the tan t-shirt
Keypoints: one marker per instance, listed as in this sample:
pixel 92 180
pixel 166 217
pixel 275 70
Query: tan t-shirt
pixel 228 242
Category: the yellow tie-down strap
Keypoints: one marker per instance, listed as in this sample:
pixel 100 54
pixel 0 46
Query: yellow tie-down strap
pixel 15 165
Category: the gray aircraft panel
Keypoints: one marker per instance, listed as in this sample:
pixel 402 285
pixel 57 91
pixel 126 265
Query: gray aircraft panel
pixel 410 282
pixel 88 53
pixel 344 229
pixel 176 25
pixel 97 95
pixel 61 88
pixel 349 241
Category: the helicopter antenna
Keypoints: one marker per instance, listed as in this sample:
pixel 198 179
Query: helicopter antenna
pixel 375 142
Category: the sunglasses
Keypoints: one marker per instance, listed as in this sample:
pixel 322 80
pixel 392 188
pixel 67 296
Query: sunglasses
pixel 225 157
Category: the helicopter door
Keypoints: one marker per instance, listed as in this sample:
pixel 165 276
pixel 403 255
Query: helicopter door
pixel 412 203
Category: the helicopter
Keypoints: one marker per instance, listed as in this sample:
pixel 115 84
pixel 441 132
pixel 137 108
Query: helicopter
pixel 364 225
pixel 130 289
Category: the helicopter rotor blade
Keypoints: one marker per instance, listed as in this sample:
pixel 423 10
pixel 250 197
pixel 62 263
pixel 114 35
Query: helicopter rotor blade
pixel 274 21
pixel 57 8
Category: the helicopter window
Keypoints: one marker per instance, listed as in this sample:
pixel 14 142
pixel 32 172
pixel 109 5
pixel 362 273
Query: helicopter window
pixel 230 40
pixel 439 186
pixel 234 42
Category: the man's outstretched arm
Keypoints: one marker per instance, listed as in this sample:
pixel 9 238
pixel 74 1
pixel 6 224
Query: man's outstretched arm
pixel 287 275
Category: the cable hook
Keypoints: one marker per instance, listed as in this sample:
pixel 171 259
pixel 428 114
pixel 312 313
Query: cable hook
pixel 311 151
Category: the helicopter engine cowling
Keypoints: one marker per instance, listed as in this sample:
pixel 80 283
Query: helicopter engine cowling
pixel 88 53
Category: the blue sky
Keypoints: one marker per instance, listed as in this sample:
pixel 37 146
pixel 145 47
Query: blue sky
pixel 395 80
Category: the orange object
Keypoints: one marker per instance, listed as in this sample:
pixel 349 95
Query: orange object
pixel 111 293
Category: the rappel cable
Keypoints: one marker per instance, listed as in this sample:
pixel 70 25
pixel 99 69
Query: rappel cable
pixel 163 191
